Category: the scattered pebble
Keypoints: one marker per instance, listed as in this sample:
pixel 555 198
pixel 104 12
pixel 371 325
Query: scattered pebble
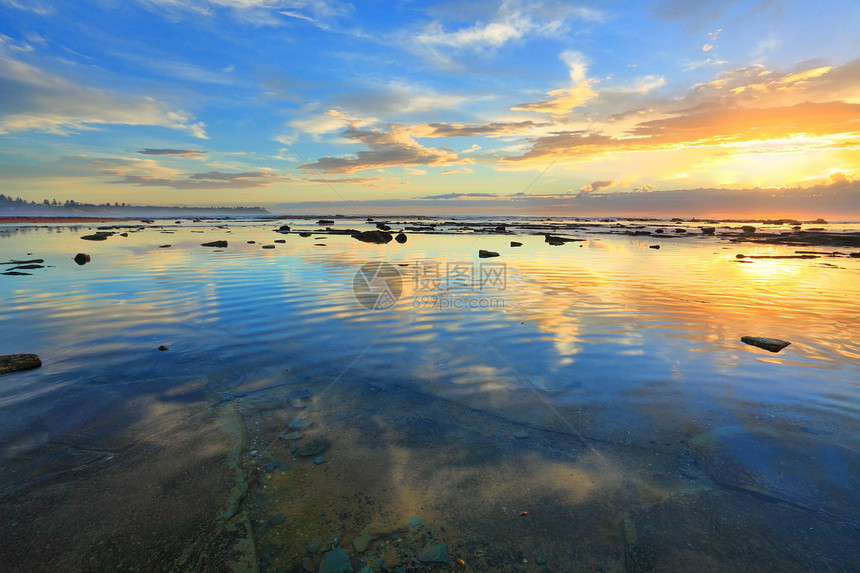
pixel 319 460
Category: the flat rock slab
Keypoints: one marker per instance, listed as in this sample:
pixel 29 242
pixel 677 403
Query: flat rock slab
pixel 18 362
pixel 772 344
pixel 801 470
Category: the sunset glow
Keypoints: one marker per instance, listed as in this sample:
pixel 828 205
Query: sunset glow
pixel 434 107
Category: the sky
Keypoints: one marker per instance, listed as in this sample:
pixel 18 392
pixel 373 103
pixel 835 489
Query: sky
pixel 713 107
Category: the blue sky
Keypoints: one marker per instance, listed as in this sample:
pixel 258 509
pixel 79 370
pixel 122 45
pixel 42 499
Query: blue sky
pixel 449 104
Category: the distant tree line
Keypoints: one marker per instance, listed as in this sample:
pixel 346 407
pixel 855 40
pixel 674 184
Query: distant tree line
pixel 8 203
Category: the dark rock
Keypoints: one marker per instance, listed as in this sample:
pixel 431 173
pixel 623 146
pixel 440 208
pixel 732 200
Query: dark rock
pixel 97 237
pixel 854 255
pixel 280 241
pixel 284 228
pixel 748 229
pixel 123 234
pixel 383 227
pixel 658 230
pixel 214 244
pixel 272 466
pixel 27 262
pixel 164 246
pixel 556 240
pixel 16 274
pixel 319 460
pixel 434 554
pixel 268 246
pixel 82 258
pixel 379 237
pixel 400 238
pixel 771 344
pixel 325 222
pixel 163 347
pixel 18 362
pixel 653 246
pixel 251 242
pixel 680 230
pixel 304 234
pixel 314 447
pixel 487 254
pixel 709 230
pixel 335 561
pixel 516 244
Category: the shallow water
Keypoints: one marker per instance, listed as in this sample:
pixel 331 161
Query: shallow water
pixel 599 386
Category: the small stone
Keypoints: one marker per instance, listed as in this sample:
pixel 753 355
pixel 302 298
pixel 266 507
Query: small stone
pixel 164 246
pixel 516 244
pixel 361 542
pixel 82 258
pixel 268 246
pixel 521 434
pixel 540 560
pixel 277 519
pixel 335 561
pixel 164 348
pixel 292 436
pixel 319 460
pixel 272 466
pixel 414 522
pixel 299 424
pixel 314 447
pixel 487 254
pixel 214 244
pixel 434 554
pixel 771 344
pixel 654 246
pixel 280 240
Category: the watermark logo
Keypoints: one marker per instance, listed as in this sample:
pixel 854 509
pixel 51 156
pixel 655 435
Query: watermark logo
pixel 377 285
pixel 437 286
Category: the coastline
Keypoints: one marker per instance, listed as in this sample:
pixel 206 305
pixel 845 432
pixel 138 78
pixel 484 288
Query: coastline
pixel 12 219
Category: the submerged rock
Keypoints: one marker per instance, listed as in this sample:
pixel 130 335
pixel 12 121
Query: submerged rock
pixel 361 542
pixel 772 344
pixel 434 554
pixel 314 447
pixel 18 362
pixel 214 244
pixel 335 561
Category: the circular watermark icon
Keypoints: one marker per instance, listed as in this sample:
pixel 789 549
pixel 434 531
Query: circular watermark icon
pixel 377 285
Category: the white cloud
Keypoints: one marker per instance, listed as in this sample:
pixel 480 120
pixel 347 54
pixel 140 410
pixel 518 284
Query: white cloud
pixel 35 100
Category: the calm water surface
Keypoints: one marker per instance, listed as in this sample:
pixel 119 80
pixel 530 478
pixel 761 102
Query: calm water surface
pixel 580 407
